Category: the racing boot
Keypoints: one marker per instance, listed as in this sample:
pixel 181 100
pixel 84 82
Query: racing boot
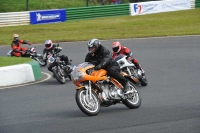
pixel 143 72
pixel 68 69
pixel 126 88
pixel 140 68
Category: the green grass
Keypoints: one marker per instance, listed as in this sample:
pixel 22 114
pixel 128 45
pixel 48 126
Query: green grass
pixel 8 61
pixel 20 5
pixel 177 23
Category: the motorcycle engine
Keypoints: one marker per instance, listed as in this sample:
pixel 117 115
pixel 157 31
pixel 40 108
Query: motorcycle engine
pixel 110 92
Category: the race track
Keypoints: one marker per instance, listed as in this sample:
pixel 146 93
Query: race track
pixel 170 102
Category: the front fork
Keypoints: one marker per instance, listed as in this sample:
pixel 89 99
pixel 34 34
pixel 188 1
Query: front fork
pixel 88 91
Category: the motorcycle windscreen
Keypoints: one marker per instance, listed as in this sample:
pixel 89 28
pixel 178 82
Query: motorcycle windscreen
pixel 118 57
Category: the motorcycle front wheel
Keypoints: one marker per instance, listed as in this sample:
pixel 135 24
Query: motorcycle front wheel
pixel 59 76
pixel 89 106
pixel 133 99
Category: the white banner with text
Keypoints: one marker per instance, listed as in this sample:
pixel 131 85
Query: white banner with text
pixel 159 6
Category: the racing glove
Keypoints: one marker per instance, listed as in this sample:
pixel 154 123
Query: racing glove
pixel 97 67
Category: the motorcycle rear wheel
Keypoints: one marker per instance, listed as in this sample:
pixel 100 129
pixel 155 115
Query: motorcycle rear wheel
pixel 134 101
pixel 143 81
pixel 87 106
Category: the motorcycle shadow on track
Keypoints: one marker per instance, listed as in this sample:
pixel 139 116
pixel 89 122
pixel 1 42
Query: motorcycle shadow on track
pixel 75 113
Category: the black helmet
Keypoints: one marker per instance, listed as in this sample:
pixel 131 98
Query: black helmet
pixel 93 45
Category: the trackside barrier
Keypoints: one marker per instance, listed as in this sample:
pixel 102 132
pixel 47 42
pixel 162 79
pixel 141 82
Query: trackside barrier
pixel 23 18
pixel 97 11
pixel 192 3
pixel 197 4
pixel 19 74
pixel 14 19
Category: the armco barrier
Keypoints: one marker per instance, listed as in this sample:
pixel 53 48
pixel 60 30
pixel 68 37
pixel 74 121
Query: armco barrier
pixel 14 19
pixel 197 4
pixel 97 11
pixel 18 74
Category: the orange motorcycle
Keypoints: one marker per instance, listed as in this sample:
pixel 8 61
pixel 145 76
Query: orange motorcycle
pixel 96 89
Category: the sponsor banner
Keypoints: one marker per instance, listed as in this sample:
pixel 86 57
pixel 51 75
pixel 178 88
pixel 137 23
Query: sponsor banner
pixel 159 6
pixel 47 16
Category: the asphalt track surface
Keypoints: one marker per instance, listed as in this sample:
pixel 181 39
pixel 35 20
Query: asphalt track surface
pixel 170 102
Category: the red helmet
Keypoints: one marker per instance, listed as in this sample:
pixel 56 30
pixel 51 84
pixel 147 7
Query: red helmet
pixel 48 44
pixel 116 46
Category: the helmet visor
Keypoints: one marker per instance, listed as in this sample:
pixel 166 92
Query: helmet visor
pixel 47 45
pixel 91 49
pixel 115 49
pixel 16 38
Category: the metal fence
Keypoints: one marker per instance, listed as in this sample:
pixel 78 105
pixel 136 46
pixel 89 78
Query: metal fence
pixel 98 11
pixel 197 3
pixel 14 19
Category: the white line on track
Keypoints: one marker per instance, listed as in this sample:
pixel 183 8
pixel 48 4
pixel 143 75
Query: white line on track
pixel 14 86
pixel 124 39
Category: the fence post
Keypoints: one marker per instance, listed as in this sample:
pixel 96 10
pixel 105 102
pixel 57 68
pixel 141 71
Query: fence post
pixel 86 2
pixel 26 5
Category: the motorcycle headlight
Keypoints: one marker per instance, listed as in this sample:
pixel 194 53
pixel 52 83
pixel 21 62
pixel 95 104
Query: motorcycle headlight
pixel 51 59
pixel 121 63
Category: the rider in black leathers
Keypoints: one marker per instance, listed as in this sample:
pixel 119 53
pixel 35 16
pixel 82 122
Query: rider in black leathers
pixel 103 59
pixel 53 49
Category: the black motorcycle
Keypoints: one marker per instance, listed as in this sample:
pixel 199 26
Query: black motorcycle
pixel 31 53
pixel 60 69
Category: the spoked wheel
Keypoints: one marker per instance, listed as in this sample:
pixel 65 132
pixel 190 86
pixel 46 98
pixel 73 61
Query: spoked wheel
pixel 88 105
pixel 133 99
pixel 143 80
pixel 59 76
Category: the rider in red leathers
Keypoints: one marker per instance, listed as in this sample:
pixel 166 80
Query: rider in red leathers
pixel 119 49
pixel 16 46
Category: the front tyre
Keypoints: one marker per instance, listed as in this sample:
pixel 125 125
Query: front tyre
pixel 88 106
pixel 133 100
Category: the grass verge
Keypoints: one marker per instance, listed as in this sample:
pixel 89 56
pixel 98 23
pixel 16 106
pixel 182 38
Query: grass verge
pixel 20 5
pixel 176 23
pixel 8 61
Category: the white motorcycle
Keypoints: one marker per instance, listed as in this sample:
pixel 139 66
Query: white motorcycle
pixel 129 70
